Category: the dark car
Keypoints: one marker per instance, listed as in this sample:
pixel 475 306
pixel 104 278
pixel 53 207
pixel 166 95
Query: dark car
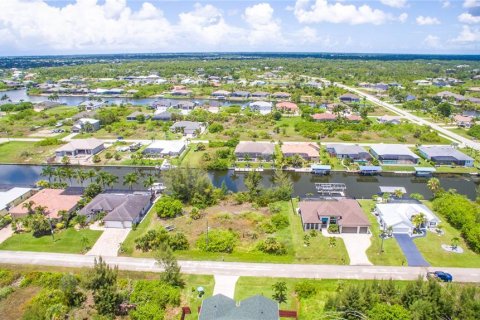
pixel 440 275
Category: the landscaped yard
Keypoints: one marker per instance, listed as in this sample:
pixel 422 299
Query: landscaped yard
pixel 245 221
pixel 25 152
pixel 66 241
pixel 392 255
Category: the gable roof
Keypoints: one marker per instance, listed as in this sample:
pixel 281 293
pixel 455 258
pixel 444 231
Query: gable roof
pixel 120 207
pixel 393 149
pixel 266 148
pixel 81 144
pixel 349 149
pixel 307 148
pixel 444 152
pixel 220 307
pixel 348 209
pixel 395 214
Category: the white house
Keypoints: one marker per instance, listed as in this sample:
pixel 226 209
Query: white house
pixel 399 216
pixel 263 107
pixel 163 148
pixel 12 197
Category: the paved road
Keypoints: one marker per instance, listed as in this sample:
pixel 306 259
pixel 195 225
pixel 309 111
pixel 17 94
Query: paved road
pixel 413 118
pixel 241 269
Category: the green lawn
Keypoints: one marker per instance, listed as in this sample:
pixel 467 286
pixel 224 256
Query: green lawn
pixel 25 152
pixel 392 254
pixel 190 297
pixel 66 241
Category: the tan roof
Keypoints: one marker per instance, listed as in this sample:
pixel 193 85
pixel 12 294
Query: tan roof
pixel 324 116
pixel 354 117
pixel 460 118
pixel 53 199
pixel 300 147
pixel 287 105
pixel 349 210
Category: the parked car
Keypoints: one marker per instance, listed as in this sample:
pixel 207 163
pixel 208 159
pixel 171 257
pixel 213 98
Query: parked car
pixel 440 275
pixel 119 138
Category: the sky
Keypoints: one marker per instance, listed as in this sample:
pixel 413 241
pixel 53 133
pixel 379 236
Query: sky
pixel 37 27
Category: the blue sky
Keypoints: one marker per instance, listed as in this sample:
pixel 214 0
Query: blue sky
pixel 30 27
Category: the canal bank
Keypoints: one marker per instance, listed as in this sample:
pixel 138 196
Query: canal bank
pixel 303 183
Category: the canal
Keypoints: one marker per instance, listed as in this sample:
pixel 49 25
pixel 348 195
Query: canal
pixel 304 183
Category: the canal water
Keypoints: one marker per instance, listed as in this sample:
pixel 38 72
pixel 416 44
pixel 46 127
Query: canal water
pixel 304 183
pixel 21 95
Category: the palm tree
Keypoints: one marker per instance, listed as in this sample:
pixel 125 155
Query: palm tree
pixel 455 242
pixel 434 185
pixel 29 206
pixel 91 174
pixel 419 220
pixel 68 174
pixel 398 193
pixel 48 172
pixel 102 178
pixel 130 179
pixel 149 182
pixel 111 180
pixel 81 176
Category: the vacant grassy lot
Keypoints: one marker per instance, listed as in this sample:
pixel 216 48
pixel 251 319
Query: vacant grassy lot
pixel 392 255
pixel 13 306
pixel 25 152
pixel 66 241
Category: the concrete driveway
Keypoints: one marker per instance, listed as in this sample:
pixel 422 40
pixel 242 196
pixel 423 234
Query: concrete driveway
pixel 6 233
pixel 356 245
pixel 109 242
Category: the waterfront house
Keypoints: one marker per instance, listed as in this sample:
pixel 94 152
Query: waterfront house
pixel 122 210
pixel 349 98
pixel 260 95
pixel 445 155
pixel 13 196
pixel 346 213
pixel 281 95
pixel 399 216
pixel 92 105
pixel 184 106
pixel 264 107
pixel 241 94
pixel 394 154
pixel 220 307
pixel 463 121
pixel 80 147
pixel 162 148
pixel 349 151
pixel 86 124
pixel 306 150
pixel 219 94
pixel 53 200
pixel 287 107
pixel 254 150
pixel 188 128
pixel 181 92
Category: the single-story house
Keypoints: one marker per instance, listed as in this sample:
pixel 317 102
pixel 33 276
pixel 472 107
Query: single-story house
pixel 12 197
pixel 353 118
pixel 162 116
pixel 184 105
pixel 92 105
pixel 86 124
pixel 240 94
pixel 306 150
pixel 181 92
pixel 394 154
pixel 349 98
pixel 410 97
pixel 44 105
pixel 264 107
pixel 255 150
pixel 188 128
pixel 349 151
pixel 122 210
pixel 134 116
pixel 288 107
pixel 221 94
pixel 447 94
pixel 165 148
pixel 281 95
pixel 390 119
pixel 326 116
pixel 54 201
pixel 83 147
pixel 346 213
pixel 463 121
pixel 399 216
pixel 260 95
pixel 445 155
pixel 220 307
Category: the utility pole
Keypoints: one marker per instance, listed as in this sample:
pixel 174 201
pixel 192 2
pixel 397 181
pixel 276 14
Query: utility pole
pixel 206 238
pixel 51 228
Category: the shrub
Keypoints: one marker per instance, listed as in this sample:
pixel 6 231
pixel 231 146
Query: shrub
pixel 48 304
pixel 152 240
pixel 195 213
pixel 305 289
pixel 152 298
pixel 215 127
pixel 274 208
pixel 178 242
pixel 272 246
pixel 268 227
pixel 42 279
pixel 48 142
pixel 280 221
pixel 333 228
pixel 5 292
pixel 7 277
pixel 168 207
pixel 108 155
pixel 218 241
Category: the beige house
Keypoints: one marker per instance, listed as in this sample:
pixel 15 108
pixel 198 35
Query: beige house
pixel 307 150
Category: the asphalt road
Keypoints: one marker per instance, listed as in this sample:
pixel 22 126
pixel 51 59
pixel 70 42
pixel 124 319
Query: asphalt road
pixel 241 269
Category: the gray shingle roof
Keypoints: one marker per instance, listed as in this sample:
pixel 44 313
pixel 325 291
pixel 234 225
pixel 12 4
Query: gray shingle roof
pixel 120 207
pixel 220 307
pixel 444 151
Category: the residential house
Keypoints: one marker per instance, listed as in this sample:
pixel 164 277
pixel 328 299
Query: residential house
pixel 346 213
pixel 92 105
pixel 254 150
pixel 181 91
pixel 349 98
pixel 164 148
pixel 399 215
pixel 221 94
pixel 86 124
pixel 390 119
pixel 353 118
pixel 410 97
pixel 122 210
pixel 306 150
pixel 281 95
pixel 53 200
pixel 241 94
pixel 394 154
pixel 287 107
pixel 264 107
pixel 220 307
pixel 45 105
pixel 188 128
pixel 162 116
pixel 260 95
pixel 80 147
pixel 446 95
pixel 463 121
pixel 184 106
pixel 353 152
pixel 13 196
pixel 136 114
pixel 322 117
pixel 445 155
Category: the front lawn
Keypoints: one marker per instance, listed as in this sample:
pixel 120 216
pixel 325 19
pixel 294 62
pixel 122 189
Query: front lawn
pixel 66 241
pixel 392 254
pixel 190 296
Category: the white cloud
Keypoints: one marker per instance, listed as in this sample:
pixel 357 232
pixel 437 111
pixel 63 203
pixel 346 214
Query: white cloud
pixel 394 3
pixel 263 25
pixel 432 41
pixel 427 21
pixel 468 35
pixel 403 17
pixel 468 18
pixel 471 3
pixel 445 4
pixel 307 11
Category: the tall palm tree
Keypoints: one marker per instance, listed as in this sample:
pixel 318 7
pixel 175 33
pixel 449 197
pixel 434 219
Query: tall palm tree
pixel 111 180
pixel 149 182
pixel 130 179
pixel 434 185
pixel 102 178
pixel 68 174
pixel 81 176
pixel 48 172
pixel 91 174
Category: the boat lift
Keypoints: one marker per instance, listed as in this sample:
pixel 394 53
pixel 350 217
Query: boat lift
pixel 331 189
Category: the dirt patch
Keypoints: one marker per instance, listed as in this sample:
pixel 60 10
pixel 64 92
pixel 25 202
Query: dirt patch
pixel 14 305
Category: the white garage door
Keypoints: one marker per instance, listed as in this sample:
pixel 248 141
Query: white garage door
pixel 401 230
pixel 114 224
